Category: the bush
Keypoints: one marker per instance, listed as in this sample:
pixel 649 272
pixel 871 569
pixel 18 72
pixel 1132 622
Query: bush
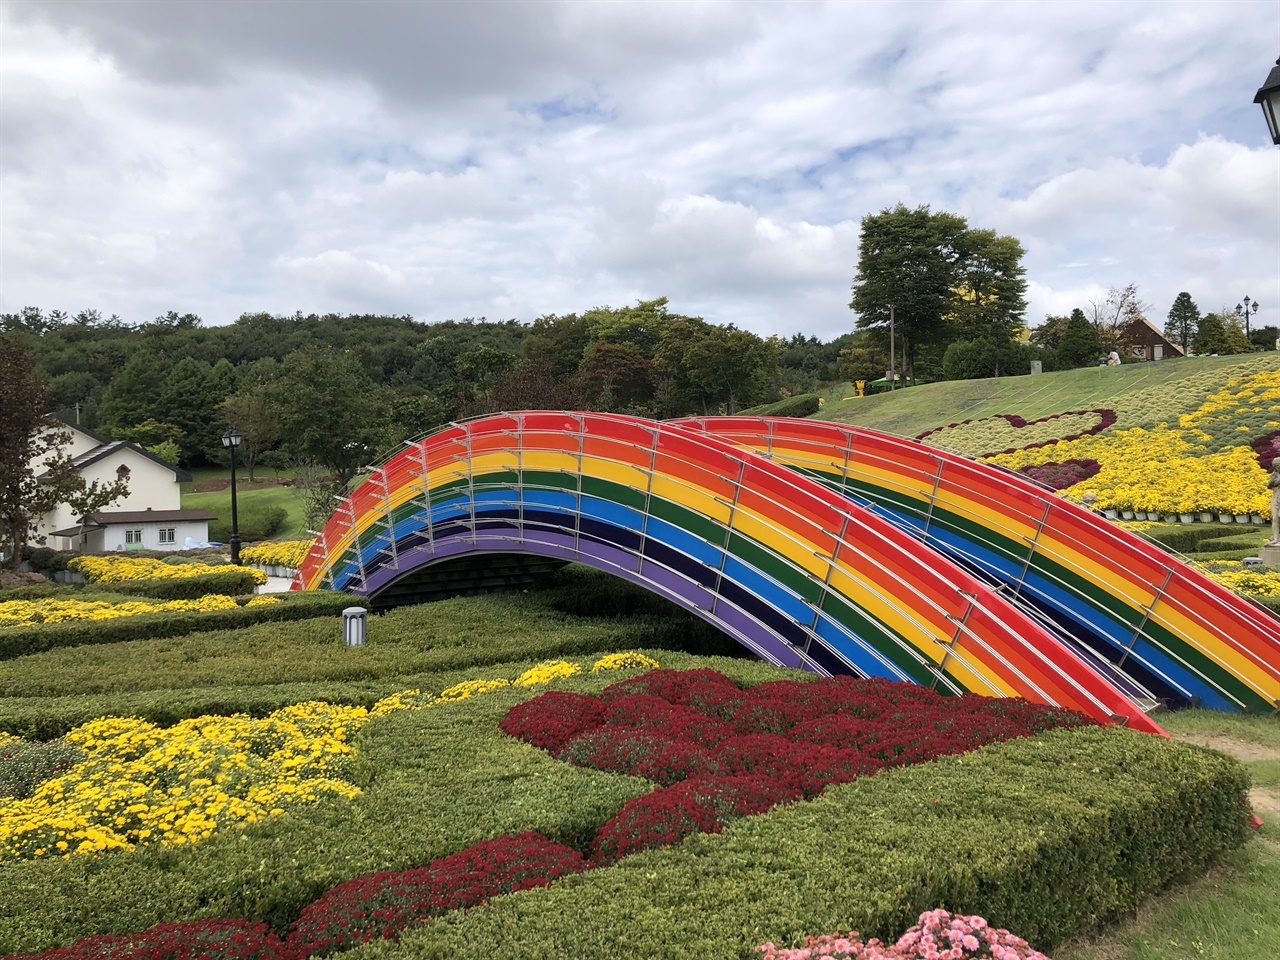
pixel 203 939
pixel 20 641
pixel 380 905
pixel 233 582
pixel 698 805
pixel 1186 537
pixel 1081 838
pixel 553 719
pixel 46 560
pixel 256 522
pixel 803 405
pixel 639 753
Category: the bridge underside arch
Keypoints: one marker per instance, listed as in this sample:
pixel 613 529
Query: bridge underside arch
pixel 793 571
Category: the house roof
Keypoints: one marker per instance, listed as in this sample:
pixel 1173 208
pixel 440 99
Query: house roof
pixel 116 518
pixel 76 427
pixel 114 446
pixel 1132 333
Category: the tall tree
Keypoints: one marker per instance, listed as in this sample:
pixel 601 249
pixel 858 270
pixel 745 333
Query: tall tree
pixel 35 475
pixel 133 395
pixel 907 259
pixel 328 410
pixel 989 300
pixel 1080 345
pixel 1050 331
pixel 558 342
pixel 1184 317
pixel 1211 334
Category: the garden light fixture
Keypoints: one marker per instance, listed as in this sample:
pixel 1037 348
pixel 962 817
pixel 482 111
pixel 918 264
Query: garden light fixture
pixel 231 439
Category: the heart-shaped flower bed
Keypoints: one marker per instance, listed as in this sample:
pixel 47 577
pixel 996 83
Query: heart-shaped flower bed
pixel 1059 476
pixel 1005 433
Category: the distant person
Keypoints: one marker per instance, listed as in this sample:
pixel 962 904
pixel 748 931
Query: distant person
pixel 1113 359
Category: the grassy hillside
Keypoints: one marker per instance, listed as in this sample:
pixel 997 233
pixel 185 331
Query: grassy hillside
pixel 912 411
pixel 248 496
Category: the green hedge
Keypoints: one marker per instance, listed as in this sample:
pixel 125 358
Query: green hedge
pixel 803 405
pixel 20 641
pixel 1048 837
pixel 1045 836
pixel 231 582
pixel 1187 537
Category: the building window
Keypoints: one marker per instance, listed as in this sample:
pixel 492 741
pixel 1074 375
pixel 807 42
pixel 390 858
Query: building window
pixel 167 535
pixel 133 536
pixel 122 472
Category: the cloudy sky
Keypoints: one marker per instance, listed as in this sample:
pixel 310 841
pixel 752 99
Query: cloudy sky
pixel 451 160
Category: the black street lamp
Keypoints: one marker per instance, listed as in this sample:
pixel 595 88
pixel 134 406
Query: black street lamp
pixel 1245 310
pixel 1269 96
pixel 231 439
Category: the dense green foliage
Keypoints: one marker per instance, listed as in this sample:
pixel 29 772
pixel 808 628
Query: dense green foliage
pixel 805 405
pixel 228 582
pixel 1047 836
pixel 21 641
pixel 255 522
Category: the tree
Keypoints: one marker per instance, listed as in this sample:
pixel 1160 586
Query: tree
pixel 1184 317
pixel 559 342
pixel 907 258
pixel 989 301
pixel 1211 334
pixel 1264 338
pixel 328 410
pixel 1237 339
pixel 1050 331
pixel 1080 345
pixel 615 377
pixel 1113 311
pixel 35 475
pixel 704 367
pixel 133 395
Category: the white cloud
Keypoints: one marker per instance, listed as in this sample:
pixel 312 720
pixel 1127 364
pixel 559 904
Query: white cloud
pixel 514 159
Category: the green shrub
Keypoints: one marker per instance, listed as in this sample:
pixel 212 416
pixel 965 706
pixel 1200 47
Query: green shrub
pixel 231 582
pixel 256 522
pixel 1187 537
pixel 20 641
pixel 46 560
pixel 804 405
pixel 1046 836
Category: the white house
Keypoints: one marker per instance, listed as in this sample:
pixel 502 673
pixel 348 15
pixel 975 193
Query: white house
pixel 150 517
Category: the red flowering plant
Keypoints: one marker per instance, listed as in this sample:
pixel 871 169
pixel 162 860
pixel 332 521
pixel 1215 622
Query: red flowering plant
pixel 640 753
pixel 651 712
pixel 381 905
pixel 191 940
pixel 697 805
pixel 674 686
pixel 1062 474
pixel 553 719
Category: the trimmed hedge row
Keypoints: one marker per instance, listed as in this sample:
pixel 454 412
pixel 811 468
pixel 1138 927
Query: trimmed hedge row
pixel 1048 836
pixel 802 405
pixel 232 582
pixel 1191 537
pixel 20 641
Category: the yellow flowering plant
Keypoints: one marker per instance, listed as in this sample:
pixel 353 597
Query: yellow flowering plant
pixel 285 553
pixel 97 568
pixel 142 784
pixel 21 613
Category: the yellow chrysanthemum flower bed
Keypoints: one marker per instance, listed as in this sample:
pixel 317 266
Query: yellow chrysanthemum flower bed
pixel 1168 469
pixel 1263 583
pixel 286 553
pixel 143 784
pixel 625 661
pixel 25 613
pixel 104 569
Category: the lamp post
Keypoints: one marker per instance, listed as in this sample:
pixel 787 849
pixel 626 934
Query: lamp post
pixel 231 439
pixel 1269 96
pixel 1246 311
pixel 893 370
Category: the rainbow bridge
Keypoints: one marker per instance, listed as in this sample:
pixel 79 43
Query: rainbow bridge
pixel 809 558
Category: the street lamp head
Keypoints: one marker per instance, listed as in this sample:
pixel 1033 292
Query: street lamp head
pixel 1269 96
pixel 232 438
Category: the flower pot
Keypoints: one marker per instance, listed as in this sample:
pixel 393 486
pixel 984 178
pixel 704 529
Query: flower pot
pixel 1206 516
pixel 1111 514
pixel 1259 520
pixel 1225 517
pixel 1126 514
pixel 1187 517
pixel 1242 518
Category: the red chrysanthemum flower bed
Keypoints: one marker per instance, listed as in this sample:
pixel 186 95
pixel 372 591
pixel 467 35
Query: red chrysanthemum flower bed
pixel 192 940
pixel 380 905
pixel 1063 474
pixel 783 740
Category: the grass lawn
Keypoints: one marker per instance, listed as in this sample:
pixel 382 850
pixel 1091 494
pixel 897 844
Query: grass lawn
pixel 914 410
pixel 266 493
